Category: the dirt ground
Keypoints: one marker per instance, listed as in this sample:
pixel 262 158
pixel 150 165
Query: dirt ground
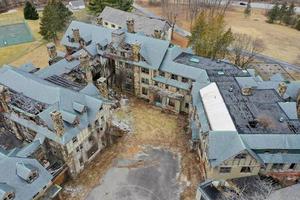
pixel 280 41
pixel 150 127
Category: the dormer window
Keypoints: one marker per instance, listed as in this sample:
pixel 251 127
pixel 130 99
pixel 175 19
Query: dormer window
pixel 7 192
pixel 27 172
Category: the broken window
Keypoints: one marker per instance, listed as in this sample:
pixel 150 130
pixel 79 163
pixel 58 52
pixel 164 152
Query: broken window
pixel 277 166
pixel 113 26
pixel 292 166
pixel 172 102
pixel 246 170
pixel 184 80
pixel 174 77
pixel 144 91
pixel 145 81
pixel 225 169
pixel 145 70
pixel 162 74
pixel 241 156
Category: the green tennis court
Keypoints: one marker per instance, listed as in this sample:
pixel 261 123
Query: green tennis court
pixel 14 34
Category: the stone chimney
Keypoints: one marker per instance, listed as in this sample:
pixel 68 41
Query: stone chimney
pixel 282 88
pixel 85 65
pixel 157 33
pixel 51 50
pixel 99 21
pixel 130 25
pixel 102 87
pixel 3 99
pixel 136 48
pixel 58 123
pixel 76 34
pixel 118 36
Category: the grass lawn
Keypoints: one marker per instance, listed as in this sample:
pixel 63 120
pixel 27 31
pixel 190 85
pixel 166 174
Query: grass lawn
pixel 280 41
pixel 36 51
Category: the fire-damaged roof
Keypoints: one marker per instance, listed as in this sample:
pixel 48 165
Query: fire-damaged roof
pixel 56 98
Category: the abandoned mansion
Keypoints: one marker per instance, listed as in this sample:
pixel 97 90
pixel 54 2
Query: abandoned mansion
pixel 240 125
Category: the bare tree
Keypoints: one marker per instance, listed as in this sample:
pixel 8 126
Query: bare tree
pixel 244 49
pixel 252 188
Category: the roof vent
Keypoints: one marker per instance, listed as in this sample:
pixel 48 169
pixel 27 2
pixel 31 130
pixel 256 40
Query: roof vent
pixel 194 60
pixel 281 119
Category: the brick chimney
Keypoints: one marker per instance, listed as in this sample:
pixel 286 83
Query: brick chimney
pixel 58 123
pixel 136 48
pixel 282 88
pixel 76 34
pixel 3 99
pixel 51 50
pixel 130 25
pixel 102 87
pixel 85 65
pixel 157 33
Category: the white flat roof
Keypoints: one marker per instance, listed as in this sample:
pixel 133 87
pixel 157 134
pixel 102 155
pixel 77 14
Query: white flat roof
pixel 215 108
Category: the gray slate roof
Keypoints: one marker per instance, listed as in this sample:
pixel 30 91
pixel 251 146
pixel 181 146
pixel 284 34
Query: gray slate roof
pixel 10 179
pixel 142 24
pixel 153 50
pixel 57 98
pixel 223 145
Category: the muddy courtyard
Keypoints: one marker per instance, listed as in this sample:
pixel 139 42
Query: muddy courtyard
pixel 151 162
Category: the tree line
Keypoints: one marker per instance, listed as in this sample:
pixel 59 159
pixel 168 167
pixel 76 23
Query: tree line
pixel 284 14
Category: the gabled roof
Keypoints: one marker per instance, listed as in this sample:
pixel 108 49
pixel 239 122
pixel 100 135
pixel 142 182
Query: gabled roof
pixel 271 141
pixel 13 168
pixel 151 48
pixel 142 24
pixel 57 98
pixel 223 145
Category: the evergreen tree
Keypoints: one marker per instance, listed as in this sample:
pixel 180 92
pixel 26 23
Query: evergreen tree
pixel 96 6
pixel 30 11
pixel 282 11
pixel 55 17
pixel 209 37
pixel 247 10
pixel 273 14
pixel 289 16
pixel 297 26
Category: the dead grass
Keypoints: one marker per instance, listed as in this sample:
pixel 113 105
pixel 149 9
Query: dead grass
pixel 281 42
pixel 33 52
pixel 151 127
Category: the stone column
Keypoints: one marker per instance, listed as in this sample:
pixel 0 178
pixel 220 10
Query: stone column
pixel 58 123
pixel 85 65
pixel 136 80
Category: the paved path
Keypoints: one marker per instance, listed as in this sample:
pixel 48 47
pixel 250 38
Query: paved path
pixel 151 175
pixel 259 5
pixel 185 33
